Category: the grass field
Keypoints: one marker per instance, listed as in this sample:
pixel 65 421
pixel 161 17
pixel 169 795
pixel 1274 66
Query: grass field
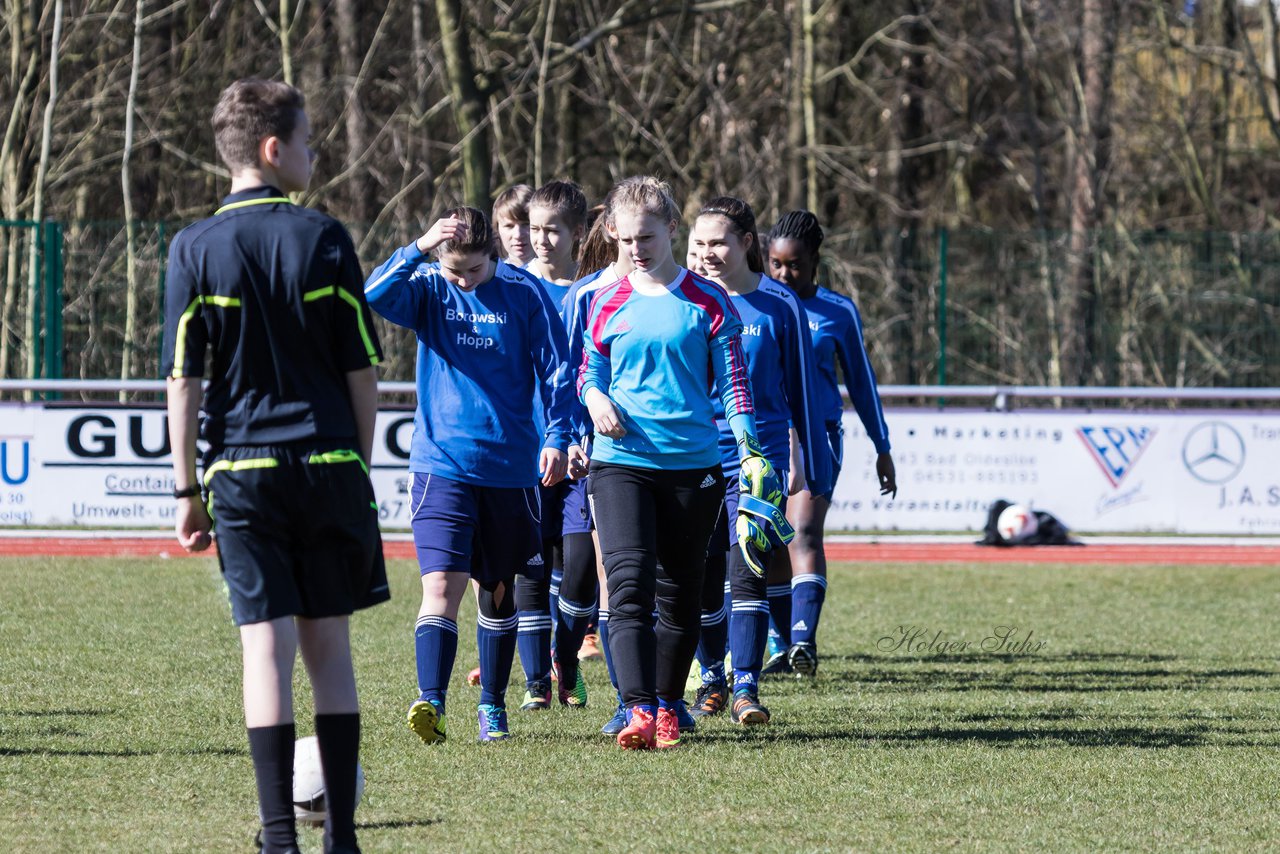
pixel 1148 720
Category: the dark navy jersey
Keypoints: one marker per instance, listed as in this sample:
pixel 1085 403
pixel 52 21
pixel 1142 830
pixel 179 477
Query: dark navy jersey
pixel 273 294
pixel 836 328
pixel 776 340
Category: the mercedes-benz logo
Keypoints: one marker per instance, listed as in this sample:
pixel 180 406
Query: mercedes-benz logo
pixel 1213 452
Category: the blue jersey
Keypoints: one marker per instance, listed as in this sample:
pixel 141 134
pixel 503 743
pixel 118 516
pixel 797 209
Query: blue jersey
pixel 658 352
pixel 481 356
pixel 557 294
pixel 775 338
pixel 837 333
pixel 577 304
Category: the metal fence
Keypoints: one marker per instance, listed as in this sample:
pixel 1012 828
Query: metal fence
pixel 946 307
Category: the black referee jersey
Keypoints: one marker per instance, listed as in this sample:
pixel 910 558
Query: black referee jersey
pixel 274 292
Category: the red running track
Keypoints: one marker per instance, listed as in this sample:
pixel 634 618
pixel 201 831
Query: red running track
pixel 875 553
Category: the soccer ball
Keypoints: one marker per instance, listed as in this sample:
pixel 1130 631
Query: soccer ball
pixel 308 782
pixel 1017 524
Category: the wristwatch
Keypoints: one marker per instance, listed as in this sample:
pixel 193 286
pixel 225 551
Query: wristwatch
pixel 189 492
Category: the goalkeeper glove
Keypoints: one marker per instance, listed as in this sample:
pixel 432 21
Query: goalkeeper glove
pixel 761 525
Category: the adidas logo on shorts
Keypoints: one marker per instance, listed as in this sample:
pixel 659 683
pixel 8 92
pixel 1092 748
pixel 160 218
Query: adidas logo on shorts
pixel 707 481
pixel 536 560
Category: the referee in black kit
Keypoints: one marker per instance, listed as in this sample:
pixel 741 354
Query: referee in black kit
pixel 273 293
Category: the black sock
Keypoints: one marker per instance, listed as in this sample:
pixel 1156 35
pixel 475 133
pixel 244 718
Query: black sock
pixel 272 750
pixel 339 737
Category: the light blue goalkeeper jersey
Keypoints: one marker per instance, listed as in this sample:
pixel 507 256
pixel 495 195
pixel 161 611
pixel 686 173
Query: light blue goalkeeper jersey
pixel 482 356
pixel 658 354
pixel 775 338
pixel 836 327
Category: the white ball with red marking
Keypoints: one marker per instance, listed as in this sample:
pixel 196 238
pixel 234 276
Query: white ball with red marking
pixel 1017 524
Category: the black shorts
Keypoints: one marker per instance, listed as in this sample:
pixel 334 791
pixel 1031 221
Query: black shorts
pixel 297 531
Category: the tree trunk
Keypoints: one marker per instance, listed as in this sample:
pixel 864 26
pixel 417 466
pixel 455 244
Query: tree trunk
pixel 359 186
pixel 911 177
pixel 468 104
pixel 37 207
pixel 810 110
pixel 796 194
pixel 20 92
pixel 130 224
pixel 1091 162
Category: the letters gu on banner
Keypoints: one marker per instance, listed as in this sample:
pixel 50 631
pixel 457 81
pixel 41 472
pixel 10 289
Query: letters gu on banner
pixel 1203 473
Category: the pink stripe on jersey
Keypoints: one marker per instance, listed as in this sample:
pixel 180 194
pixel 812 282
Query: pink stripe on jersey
pixel 693 288
pixel 612 302
pixel 738 370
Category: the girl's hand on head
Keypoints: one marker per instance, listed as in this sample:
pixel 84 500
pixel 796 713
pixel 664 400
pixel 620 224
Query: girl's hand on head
pixel 449 228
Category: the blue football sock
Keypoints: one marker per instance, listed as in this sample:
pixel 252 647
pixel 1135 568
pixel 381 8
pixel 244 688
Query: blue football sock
pixel 808 592
pixel 557 576
pixel 533 637
pixel 604 647
pixel 571 627
pixel 748 632
pixel 713 643
pixel 435 641
pixel 780 612
pixel 496 640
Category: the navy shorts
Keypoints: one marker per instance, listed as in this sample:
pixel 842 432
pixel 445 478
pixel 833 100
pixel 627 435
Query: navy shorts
pixel 576 508
pixel 552 501
pixel 835 442
pixel 297 531
pixel 492 532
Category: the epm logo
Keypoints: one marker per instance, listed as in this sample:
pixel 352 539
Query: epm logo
pixel 1116 449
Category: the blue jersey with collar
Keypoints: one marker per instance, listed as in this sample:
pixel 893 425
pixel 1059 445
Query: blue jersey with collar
pixel 775 338
pixel 837 334
pixel 577 304
pixel 481 356
pixel 658 354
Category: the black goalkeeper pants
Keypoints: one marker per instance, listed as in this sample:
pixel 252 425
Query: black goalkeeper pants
pixel 654 526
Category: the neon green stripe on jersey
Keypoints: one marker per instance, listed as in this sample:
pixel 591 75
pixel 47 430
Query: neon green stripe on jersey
pixel 274 200
pixel 338 457
pixel 318 293
pixel 240 465
pixel 180 344
pixel 321 293
pixel 364 330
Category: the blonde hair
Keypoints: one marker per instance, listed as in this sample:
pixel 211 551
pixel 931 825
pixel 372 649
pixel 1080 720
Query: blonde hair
pixel 645 194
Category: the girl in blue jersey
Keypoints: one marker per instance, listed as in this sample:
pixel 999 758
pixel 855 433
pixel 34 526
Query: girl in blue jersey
pixel 653 340
pixel 557 214
pixel 776 341
pixel 511 221
pixel 488 336
pixel 794 245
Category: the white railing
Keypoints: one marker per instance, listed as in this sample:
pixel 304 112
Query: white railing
pixel 998 397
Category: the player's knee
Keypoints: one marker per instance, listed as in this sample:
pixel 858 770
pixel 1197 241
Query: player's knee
pixel 496 602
